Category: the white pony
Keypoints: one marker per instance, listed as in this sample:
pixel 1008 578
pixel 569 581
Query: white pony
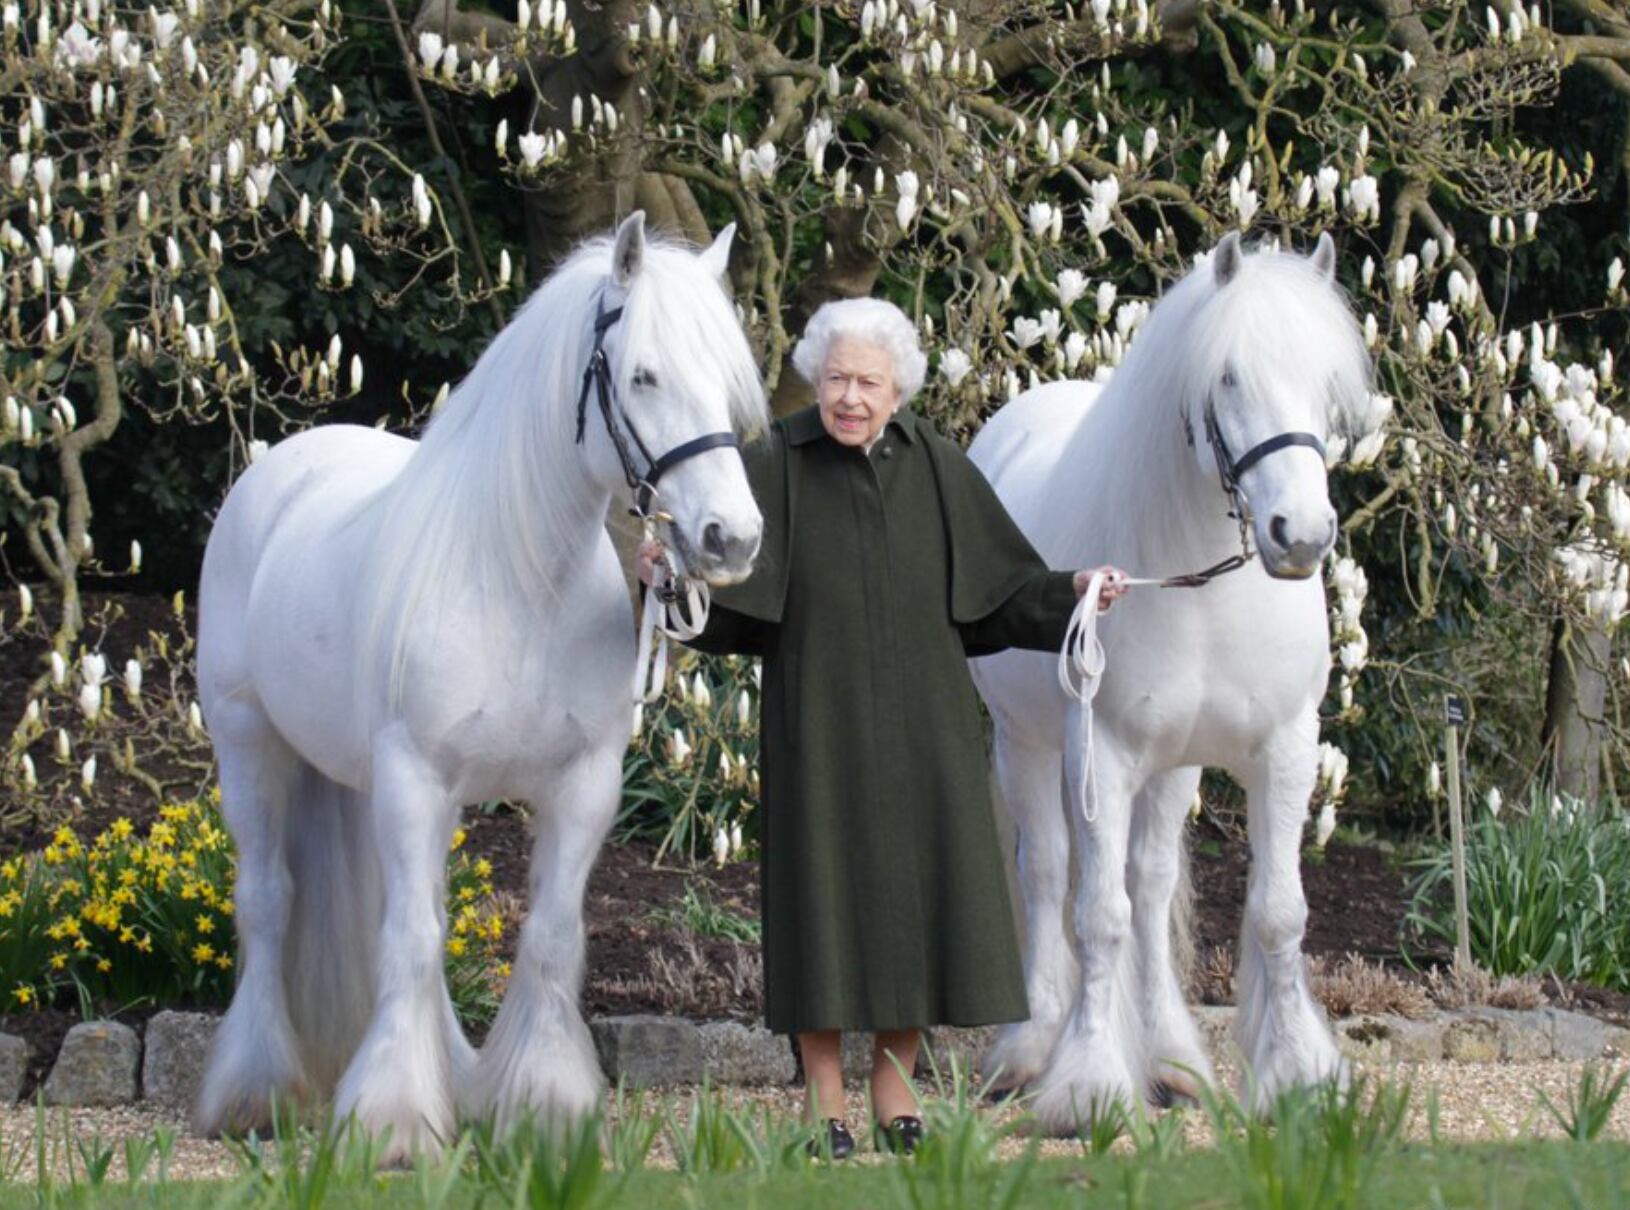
pixel 390 629
pixel 1247 363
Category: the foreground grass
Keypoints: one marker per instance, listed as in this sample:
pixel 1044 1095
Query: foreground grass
pixel 1318 1149
pixel 1494 1176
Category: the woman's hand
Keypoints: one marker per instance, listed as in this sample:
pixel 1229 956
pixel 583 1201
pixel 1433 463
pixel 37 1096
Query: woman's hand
pixel 646 560
pixel 1114 585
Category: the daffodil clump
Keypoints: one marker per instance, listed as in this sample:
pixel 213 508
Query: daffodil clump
pixel 477 970
pixel 145 916
pixel 691 775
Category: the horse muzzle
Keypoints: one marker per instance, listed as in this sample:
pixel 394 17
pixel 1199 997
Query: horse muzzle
pixel 1291 553
pixel 722 555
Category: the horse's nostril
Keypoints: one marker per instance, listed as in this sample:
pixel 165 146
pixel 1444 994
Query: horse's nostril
pixel 1276 528
pixel 713 541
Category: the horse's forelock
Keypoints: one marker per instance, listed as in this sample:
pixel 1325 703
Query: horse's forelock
pixel 678 314
pixel 1280 305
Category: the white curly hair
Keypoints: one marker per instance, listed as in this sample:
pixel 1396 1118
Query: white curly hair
pixel 870 320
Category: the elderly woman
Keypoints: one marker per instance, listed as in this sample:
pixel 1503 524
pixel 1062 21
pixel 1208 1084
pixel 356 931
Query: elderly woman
pixel 887 561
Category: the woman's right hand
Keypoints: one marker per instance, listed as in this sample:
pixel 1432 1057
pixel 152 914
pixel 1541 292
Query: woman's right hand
pixel 647 558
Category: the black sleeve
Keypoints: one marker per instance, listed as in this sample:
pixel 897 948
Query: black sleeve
pixel 1034 616
pixel 728 632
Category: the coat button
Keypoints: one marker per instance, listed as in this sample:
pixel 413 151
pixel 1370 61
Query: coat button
pixel 888 451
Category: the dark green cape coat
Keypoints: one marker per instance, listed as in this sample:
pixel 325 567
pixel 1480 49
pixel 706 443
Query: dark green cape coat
pixel 884 899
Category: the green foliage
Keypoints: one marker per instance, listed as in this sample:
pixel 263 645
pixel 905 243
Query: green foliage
pixel 546 1165
pixel 690 777
pixel 1590 1103
pixel 713 1138
pixel 1538 891
pixel 956 1164
pixel 698 914
pixel 1317 1149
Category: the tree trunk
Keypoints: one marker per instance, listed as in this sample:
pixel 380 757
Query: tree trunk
pixel 1575 705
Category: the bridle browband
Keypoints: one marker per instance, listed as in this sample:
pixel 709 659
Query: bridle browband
pixel 597 375
pixel 1229 470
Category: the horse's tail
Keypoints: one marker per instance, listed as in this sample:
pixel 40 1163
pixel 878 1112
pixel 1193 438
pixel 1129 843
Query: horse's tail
pixel 330 953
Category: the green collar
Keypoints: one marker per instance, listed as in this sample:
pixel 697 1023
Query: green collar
pixel 805 426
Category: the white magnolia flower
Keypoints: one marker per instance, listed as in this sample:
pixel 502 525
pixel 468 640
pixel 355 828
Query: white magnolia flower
pixel 90 701
pixel 132 679
pixel 1326 181
pixel 1365 195
pixel 87 773
pixel 1040 217
pixel 1070 286
pixel 1105 300
pixel 532 145
pixel 1325 825
pixel 1495 801
pixel 430 49
pixel 1025 331
pixel 955 365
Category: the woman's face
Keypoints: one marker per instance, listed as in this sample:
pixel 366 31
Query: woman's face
pixel 857 392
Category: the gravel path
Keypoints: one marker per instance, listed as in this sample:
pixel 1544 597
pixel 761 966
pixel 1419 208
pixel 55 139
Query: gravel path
pixel 1476 1101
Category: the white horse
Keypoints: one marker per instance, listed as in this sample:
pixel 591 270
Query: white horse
pixel 1243 350
pixel 390 629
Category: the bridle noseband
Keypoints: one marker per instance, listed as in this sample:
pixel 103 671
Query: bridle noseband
pixel 643 485
pixel 1229 470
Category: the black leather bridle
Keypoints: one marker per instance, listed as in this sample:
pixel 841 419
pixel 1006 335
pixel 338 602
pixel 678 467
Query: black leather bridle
pixel 1229 470
pixel 643 484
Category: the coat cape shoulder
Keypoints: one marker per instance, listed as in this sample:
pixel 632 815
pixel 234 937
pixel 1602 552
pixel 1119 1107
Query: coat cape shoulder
pixel 990 558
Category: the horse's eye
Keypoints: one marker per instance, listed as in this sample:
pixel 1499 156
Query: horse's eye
pixel 1228 379
pixel 644 378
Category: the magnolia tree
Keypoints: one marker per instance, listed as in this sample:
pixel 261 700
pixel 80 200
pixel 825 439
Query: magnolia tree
pixel 145 149
pixel 1024 177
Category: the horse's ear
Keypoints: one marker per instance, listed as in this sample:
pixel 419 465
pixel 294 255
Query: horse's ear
pixel 628 250
pixel 1324 256
pixel 1225 259
pixel 716 257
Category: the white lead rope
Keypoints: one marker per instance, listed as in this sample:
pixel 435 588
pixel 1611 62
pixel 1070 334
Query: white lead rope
pixel 651 656
pixel 1080 668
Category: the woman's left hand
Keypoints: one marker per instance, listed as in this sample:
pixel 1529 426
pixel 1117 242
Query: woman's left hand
pixel 1114 589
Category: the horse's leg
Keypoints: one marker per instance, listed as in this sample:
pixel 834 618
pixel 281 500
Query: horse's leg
pixel 1029 778
pixel 1282 1032
pixel 539 1058
pixel 1101 1046
pixel 1177 1059
pixel 254 1058
pixel 399 1079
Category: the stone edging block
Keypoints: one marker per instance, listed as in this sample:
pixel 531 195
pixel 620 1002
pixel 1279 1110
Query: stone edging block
pixel 100 1061
pixel 96 1066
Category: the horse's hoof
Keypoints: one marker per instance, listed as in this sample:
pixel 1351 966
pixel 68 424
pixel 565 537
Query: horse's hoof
pixel 1166 1094
pixel 1000 1096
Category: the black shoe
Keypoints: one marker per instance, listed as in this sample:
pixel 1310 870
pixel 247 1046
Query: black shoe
pixel 901 1136
pixel 834 1143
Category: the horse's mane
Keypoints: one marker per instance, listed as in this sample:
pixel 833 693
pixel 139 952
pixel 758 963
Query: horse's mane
pixel 1278 311
pixel 496 492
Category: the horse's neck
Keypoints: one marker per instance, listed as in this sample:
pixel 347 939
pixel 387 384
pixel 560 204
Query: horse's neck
pixel 1152 508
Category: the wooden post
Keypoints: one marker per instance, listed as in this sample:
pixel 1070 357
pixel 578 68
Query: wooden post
pixel 1454 712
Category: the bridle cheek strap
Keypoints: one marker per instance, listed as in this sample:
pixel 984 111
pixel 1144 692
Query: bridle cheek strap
pixel 597 378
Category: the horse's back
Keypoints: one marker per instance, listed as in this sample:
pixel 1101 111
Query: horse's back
pixel 1019 446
